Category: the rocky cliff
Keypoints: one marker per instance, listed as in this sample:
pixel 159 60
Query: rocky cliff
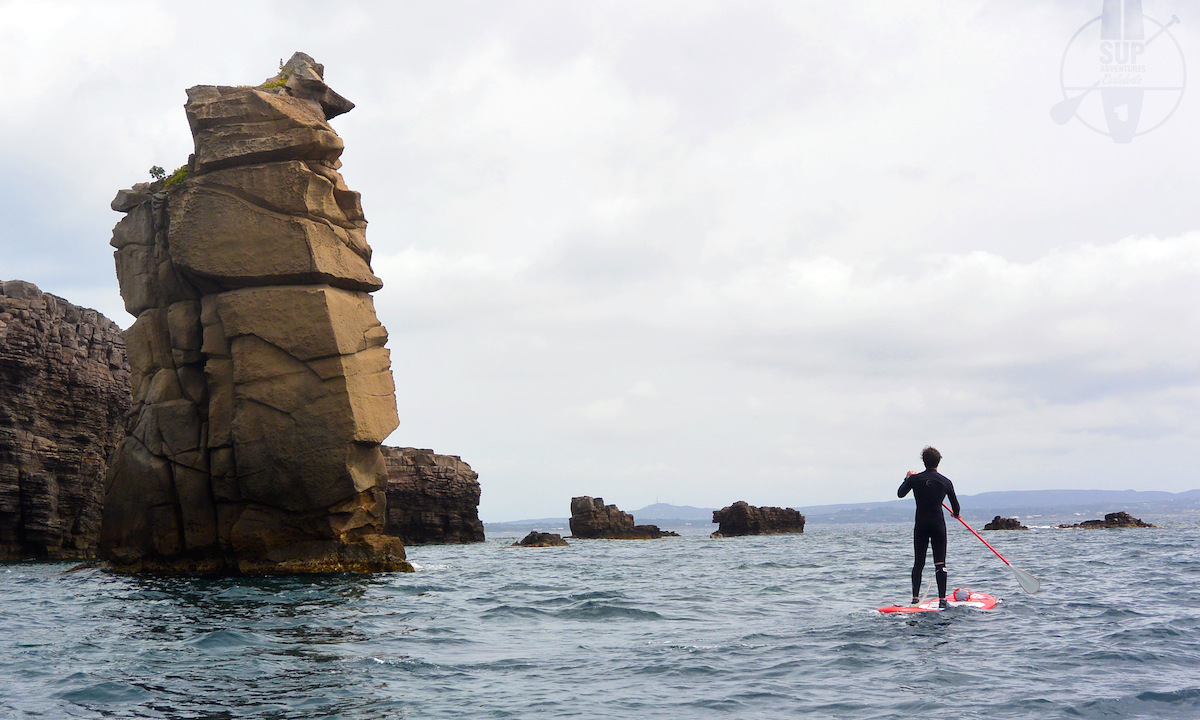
pixel 1003 523
pixel 742 518
pixel 1112 520
pixel 431 498
pixel 261 384
pixel 592 519
pixel 64 394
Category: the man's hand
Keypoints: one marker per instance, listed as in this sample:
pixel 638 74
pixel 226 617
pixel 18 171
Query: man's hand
pixel 909 474
pixel 954 515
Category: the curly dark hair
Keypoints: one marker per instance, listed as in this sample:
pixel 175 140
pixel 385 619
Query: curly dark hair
pixel 931 457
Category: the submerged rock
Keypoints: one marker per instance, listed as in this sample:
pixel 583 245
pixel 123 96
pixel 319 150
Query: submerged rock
pixel 1111 520
pixel 1002 523
pixel 592 519
pixel 431 498
pixel 540 539
pixel 262 386
pixel 741 518
pixel 64 395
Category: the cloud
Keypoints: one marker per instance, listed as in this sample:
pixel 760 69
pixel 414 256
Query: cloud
pixel 695 250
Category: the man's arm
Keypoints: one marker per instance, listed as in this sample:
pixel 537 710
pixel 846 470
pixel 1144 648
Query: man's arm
pixel 906 485
pixel 953 499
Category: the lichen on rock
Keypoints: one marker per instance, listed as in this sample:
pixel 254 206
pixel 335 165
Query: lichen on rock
pixel 261 382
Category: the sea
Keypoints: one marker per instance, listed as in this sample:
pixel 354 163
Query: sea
pixel 687 627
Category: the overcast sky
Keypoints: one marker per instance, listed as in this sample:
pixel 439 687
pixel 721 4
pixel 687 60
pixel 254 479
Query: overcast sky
pixel 689 251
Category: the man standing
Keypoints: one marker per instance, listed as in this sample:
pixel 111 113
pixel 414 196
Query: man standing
pixel 929 488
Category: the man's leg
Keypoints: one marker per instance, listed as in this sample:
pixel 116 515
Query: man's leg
pixel 920 546
pixel 938 540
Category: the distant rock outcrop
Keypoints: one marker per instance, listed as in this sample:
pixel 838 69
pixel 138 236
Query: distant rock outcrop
pixel 541 539
pixel 742 518
pixel 431 498
pixel 592 519
pixel 261 384
pixel 64 395
pixel 1003 523
pixel 1111 520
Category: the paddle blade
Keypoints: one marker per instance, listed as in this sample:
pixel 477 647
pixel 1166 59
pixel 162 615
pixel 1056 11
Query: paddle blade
pixel 1065 110
pixel 1029 583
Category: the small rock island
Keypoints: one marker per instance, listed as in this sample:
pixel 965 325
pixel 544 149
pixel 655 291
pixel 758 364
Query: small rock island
pixel 1111 521
pixel 742 518
pixel 1003 523
pixel 541 539
pixel 591 519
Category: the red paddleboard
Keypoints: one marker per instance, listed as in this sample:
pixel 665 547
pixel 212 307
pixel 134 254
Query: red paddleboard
pixel 977 600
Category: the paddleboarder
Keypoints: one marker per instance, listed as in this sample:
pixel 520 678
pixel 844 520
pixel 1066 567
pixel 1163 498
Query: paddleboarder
pixel 929 488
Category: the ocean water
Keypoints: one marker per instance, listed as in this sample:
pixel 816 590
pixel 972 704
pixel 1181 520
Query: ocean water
pixel 760 627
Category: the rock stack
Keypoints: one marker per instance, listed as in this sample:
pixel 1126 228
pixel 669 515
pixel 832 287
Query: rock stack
pixel 261 385
pixel 431 498
pixel 1003 523
pixel 64 395
pixel 592 519
pixel 1111 520
pixel 742 518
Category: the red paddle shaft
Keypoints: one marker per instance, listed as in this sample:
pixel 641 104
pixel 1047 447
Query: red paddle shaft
pixel 985 542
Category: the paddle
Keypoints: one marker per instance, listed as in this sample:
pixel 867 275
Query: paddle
pixel 1029 583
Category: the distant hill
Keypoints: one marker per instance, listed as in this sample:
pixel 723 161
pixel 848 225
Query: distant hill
pixel 982 506
pixel 1025 503
pixel 666 511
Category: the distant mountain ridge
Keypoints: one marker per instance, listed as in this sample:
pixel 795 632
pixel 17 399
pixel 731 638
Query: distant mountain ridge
pixel 1002 502
pixel 666 511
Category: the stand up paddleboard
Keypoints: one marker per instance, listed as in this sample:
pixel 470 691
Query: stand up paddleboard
pixel 977 600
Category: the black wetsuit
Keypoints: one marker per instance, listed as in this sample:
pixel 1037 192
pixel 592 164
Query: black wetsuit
pixel 929 488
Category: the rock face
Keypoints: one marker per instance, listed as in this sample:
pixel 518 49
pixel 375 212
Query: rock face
pixel 538 539
pixel 64 395
pixel 741 518
pixel 1001 523
pixel 261 385
pixel 592 519
pixel 431 498
pixel 1111 520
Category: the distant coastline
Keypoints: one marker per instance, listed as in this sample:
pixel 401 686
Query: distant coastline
pixel 1037 507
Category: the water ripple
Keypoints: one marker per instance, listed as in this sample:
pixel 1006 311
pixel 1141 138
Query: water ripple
pixel 680 628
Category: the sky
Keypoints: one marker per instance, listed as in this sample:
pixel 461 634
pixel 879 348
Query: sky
pixel 692 252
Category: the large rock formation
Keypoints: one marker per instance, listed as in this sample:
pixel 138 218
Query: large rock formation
pixel 1111 520
pixel 1003 523
pixel 261 385
pixel 742 518
pixel 64 395
pixel 431 498
pixel 592 519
